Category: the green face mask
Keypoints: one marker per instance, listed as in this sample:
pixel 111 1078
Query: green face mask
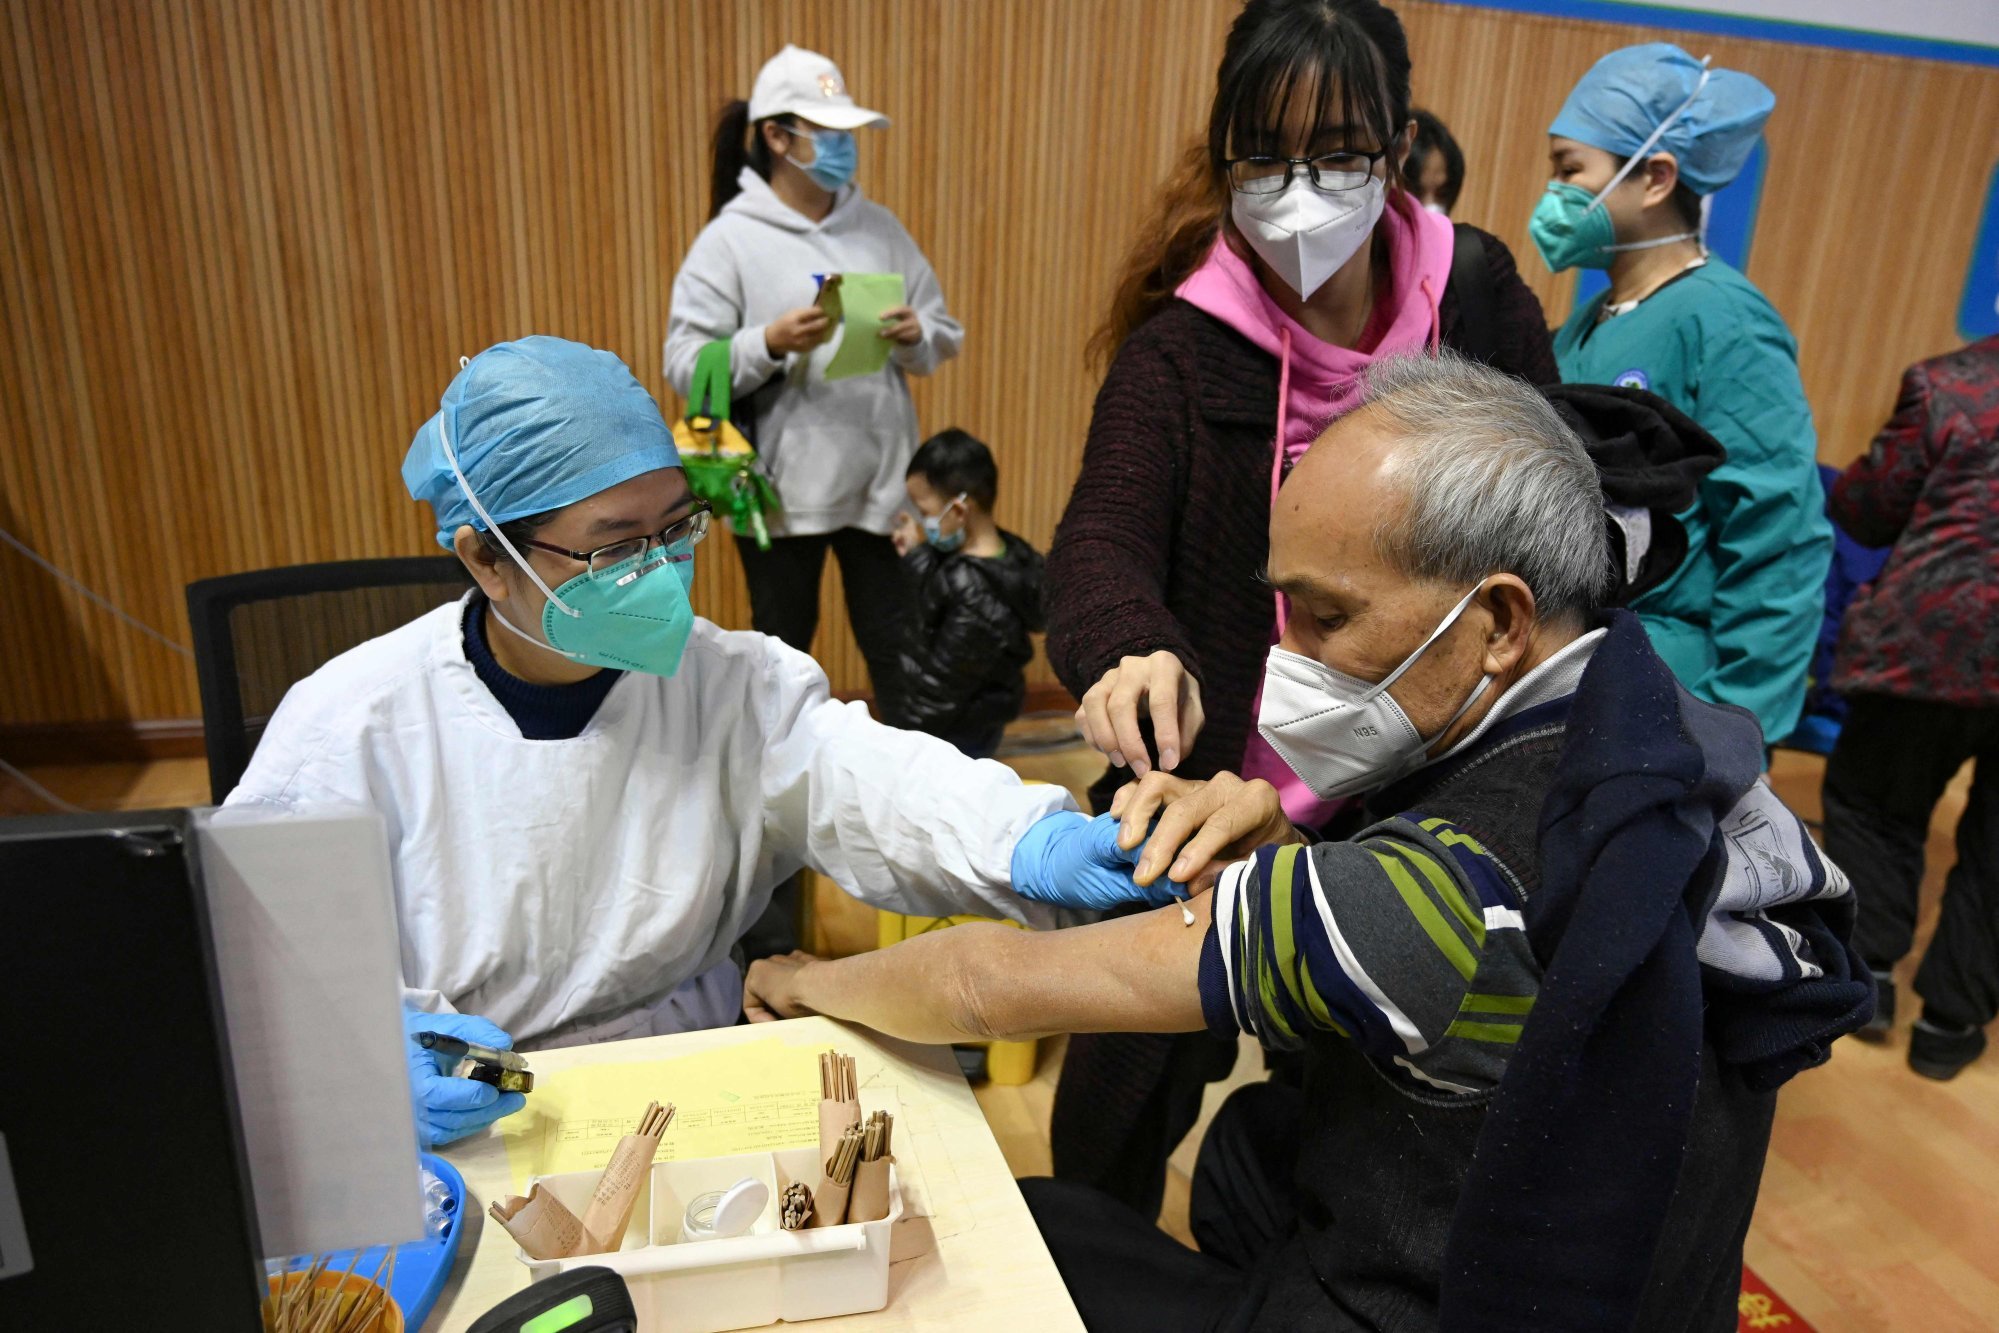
pixel 633 616
pixel 1569 232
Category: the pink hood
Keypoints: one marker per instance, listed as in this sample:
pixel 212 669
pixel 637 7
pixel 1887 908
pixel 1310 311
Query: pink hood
pixel 1317 381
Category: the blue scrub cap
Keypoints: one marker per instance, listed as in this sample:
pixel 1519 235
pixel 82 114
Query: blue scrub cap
pixel 1629 93
pixel 536 424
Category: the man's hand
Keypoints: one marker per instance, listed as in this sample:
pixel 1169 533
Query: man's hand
pixel 770 991
pixel 1159 684
pixel 1202 826
pixel 902 325
pixel 798 330
pixel 907 533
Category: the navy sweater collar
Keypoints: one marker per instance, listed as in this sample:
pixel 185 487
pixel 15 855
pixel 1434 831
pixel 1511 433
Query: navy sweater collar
pixel 542 712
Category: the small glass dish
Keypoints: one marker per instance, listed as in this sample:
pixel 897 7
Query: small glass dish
pixel 721 1214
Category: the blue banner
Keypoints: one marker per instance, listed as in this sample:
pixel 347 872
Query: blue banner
pixel 1979 44
pixel 1978 312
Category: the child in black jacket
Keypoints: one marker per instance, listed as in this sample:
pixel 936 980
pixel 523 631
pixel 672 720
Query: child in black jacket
pixel 977 596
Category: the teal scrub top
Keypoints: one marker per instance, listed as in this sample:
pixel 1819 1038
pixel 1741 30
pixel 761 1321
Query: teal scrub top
pixel 1738 620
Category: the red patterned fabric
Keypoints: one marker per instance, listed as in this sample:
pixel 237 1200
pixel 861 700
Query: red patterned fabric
pixel 1928 627
pixel 1760 1310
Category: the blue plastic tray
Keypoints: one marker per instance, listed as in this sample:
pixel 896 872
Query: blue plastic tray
pixel 421 1266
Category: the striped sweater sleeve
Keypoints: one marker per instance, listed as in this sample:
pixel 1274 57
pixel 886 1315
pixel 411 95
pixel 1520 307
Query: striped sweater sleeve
pixel 1408 941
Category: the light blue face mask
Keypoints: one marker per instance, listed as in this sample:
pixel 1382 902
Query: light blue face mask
pixel 616 617
pixel 835 157
pixel 933 530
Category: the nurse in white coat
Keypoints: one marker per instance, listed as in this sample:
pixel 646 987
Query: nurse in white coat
pixel 590 792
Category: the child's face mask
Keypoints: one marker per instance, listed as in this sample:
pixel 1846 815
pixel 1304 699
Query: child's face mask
pixel 933 527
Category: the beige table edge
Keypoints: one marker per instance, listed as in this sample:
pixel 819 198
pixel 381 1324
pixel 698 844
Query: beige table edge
pixel 990 1270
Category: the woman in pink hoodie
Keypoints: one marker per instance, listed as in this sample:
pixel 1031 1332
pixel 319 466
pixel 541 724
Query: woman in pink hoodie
pixel 1285 257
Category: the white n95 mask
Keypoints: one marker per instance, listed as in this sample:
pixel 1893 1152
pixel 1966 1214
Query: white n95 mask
pixel 1307 234
pixel 1343 735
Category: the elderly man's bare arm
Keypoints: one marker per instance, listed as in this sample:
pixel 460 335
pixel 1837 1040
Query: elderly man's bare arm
pixel 985 981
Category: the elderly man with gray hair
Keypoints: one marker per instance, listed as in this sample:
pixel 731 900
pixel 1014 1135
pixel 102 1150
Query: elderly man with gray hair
pixel 1539 1004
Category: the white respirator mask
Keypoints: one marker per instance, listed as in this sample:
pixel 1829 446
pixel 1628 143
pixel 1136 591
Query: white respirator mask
pixel 1307 234
pixel 1342 735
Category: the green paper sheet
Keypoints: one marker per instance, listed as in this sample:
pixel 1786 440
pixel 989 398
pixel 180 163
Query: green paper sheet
pixel 859 303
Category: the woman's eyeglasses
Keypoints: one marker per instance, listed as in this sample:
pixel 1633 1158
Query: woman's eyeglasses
pixel 1331 173
pixel 686 532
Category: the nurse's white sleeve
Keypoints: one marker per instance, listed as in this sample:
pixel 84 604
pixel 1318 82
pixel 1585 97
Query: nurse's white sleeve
pixel 899 819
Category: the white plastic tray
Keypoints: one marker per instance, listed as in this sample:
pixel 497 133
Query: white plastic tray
pixel 748 1281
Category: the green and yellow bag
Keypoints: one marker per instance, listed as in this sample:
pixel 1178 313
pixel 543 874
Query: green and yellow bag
pixel 721 467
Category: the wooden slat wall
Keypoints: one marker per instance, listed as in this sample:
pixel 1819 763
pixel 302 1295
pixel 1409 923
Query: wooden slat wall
pixel 246 242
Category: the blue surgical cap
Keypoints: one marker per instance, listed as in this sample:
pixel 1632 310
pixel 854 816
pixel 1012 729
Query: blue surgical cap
pixel 1628 93
pixel 536 424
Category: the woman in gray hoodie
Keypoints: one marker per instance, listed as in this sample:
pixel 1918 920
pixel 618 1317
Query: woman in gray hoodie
pixel 786 211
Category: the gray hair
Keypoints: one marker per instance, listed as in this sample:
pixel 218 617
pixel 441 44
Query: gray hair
pixel 1495 482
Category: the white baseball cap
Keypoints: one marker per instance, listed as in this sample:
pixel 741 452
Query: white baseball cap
pixel 807 84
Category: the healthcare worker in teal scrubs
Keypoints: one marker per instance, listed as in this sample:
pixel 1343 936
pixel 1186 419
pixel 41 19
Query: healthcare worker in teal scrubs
pixel 1641 143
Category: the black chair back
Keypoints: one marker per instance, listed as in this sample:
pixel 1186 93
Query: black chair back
pixel 257 634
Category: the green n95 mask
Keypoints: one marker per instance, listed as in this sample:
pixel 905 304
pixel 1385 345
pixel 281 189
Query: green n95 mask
pixel 632 615
pixel 1571 229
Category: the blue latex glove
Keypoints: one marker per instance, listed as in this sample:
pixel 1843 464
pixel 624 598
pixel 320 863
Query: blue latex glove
pixel 449 1108
pixel 1072 860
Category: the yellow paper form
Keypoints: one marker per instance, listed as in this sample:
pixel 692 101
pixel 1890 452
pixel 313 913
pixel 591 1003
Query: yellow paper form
pixel 756 1097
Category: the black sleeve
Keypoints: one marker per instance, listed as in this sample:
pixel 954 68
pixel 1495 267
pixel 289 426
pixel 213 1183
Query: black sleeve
pixel 1104 592
pixel 1525 347
pixel 918 565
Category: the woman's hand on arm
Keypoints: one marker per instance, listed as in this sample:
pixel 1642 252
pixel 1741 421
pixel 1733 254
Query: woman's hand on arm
pixel 1200 826
pixel 983 982
pixel 770 987
pixel 1161 687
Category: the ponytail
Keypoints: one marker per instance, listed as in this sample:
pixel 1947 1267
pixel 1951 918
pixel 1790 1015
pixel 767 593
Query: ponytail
pixel 732 132
pixel 738 143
